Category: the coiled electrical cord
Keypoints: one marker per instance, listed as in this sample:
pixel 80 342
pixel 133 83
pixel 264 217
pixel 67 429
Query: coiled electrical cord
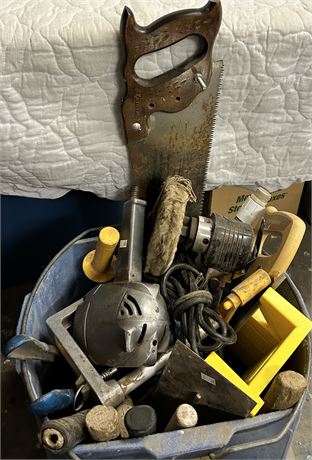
pixel 183 288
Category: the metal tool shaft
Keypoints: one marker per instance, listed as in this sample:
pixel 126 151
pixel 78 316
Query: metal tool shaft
pixel 135 378
pixel 130 251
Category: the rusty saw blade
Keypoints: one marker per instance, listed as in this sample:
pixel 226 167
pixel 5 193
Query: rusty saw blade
pixel 169 119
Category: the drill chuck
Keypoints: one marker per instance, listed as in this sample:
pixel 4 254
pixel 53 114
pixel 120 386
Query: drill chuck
pixel 226 245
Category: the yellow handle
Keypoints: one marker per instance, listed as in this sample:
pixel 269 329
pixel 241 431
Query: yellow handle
pixel 290 230
pixel 97 264
pixel 243 292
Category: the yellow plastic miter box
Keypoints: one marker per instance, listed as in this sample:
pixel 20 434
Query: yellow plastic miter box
pixel 264 344
pixel 227 200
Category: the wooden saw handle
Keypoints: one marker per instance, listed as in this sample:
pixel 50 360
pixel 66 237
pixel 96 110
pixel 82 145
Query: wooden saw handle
pixel 176 89
pixel 290 228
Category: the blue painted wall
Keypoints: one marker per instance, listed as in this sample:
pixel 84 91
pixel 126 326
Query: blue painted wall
pixel 34 230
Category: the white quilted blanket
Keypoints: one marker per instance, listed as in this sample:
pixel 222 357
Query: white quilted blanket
pixel 59 103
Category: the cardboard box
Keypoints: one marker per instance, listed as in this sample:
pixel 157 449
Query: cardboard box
pixel 228 200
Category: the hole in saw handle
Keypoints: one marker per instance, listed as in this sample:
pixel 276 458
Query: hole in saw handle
pixel 178 84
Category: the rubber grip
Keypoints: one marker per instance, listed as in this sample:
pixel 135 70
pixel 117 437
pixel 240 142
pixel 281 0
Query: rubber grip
pixel 53 401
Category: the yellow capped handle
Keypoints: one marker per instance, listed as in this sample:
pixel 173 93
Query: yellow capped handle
pixel 243 292
pixel 97 263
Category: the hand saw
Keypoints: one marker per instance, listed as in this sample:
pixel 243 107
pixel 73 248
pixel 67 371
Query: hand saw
pixel 169 119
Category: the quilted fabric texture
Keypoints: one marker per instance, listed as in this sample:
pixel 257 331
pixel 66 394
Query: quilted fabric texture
pixel 60 97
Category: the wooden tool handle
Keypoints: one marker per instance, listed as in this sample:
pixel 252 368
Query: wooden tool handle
pixel 103 423
pixel 290 229
pixel 61 435
pixel 96 264
pixel 176 89
pixel 243 293
pixel 285 391
pixel 185 416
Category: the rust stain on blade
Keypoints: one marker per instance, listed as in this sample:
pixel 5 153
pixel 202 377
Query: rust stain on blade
pixel 179 143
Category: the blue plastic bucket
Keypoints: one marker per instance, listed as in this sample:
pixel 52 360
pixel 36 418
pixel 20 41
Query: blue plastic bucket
pixel 263 436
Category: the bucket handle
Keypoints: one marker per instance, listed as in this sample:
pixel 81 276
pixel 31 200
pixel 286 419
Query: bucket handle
pixel 243 446
pixel 260 442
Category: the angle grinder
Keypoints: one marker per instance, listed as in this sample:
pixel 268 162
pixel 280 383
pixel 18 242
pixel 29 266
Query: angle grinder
pixel 124 323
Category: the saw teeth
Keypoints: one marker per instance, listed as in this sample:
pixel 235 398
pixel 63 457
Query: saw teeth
pixel 213 125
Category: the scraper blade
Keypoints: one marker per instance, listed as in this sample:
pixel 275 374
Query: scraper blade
pixel 188 378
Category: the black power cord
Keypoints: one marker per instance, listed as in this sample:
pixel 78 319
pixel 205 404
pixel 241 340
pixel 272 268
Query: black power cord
pixel 184 290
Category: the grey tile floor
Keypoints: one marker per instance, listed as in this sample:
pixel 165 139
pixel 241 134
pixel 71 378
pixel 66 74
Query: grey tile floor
pixel 18 439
